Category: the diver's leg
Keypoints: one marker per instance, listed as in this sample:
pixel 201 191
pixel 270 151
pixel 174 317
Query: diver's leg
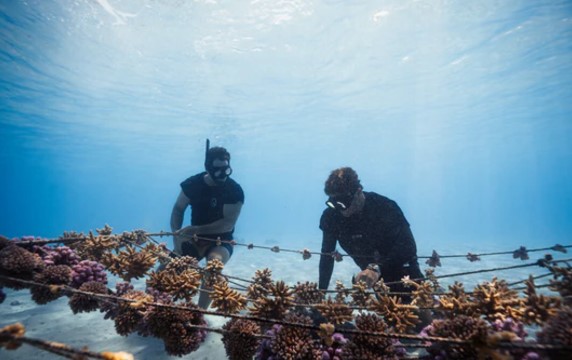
pixel 218 252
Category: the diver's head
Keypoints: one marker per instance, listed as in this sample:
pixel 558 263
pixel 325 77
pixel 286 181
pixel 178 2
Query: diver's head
pixel 344 191
pixel 217 164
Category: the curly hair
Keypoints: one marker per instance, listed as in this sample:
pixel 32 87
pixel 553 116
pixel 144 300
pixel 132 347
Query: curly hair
pixel 214 153
pixel 341 181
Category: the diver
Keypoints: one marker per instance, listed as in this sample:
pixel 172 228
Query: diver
pixel 215 200
pixel 370 228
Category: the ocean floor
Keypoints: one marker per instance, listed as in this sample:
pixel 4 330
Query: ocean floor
pixel 56 322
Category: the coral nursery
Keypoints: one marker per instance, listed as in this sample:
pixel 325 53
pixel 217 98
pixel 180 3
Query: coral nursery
pixel 269 319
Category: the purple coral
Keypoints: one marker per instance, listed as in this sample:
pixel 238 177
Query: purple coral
pixel 336 350
pixel 88 270
pixel 511 325
pixel 62 255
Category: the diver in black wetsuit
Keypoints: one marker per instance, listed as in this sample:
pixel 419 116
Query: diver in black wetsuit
pixel 370 228
pixel 215 200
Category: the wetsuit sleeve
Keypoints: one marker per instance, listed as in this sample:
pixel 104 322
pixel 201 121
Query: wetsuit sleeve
pixel 326 261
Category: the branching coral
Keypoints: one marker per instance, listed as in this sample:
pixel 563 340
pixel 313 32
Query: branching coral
pixel 341 292
pixel 495 300
pixel 360 296
pixel 290 342
pixel 129 315
pixel 241 339
pixel 276 306
pixel 456 302
pixel 422 293
pixel 129 263
pixel 334 311
pixel 226 299
pixel 562 282
pixel 85 303
pixel 183 285
pixel 260 287
pixel 212 272
pixel 538 308
pixel 307 293
pixel 19 261
pixel 401 317
pixel 93 247
pixel 558 331
pixel 177 328
pixel 470 329
pixel 370 347
pixel 52 275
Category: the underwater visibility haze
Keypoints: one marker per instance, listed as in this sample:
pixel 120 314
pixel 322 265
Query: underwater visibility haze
pixel 458 110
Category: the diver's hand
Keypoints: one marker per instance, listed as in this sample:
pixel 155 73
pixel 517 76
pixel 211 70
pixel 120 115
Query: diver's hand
pixel 369 277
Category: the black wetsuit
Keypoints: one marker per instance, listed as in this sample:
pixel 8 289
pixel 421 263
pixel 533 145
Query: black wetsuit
pixel 378 234
pixel 207 205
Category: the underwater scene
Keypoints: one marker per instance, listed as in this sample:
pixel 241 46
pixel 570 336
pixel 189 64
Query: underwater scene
pixel 285 179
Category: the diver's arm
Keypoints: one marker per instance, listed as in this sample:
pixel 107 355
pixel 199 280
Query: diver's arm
pixel 326 260
pixel 230 213
pixel 179 211
pixel 177 218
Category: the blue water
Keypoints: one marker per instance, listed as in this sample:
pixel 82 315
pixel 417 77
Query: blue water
pixel 460 111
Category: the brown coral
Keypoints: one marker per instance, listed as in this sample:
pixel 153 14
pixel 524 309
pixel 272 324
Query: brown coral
pixel 360 296
pixel 293 342
pixel 177 328
pixel 129 263
pixel 240 339
pixel 226 299
pixel 85 303
pixel 495 300
pixel 52 275
pixel 307 293
pixel 368 347
pixel 183 285
pixel 473 330
pixel 19 261
pixel 130 314
pixel 538 308
pixel 8 334
pixel 260 287
pixel 335 312
pixel 557 331
pixel 276 306
pixel 401 317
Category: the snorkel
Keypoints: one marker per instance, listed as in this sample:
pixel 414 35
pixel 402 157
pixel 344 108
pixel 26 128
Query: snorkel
pixel 217 163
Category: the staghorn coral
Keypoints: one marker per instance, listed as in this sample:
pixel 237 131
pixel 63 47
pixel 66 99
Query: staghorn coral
pixel 240 339
pixel 537 308
pixel 85 303
pixel 422 293
pixel 276 306
pixel 177 328
pixel 52 275
pixel 183 285
pixel 456 302
pixel 182 263
pixel 129 263
pixel 360 296
pixel 368 347
pixel 401 317
pixel 334 311
pixel 93 247
pixel 341 292
pixel 226 299
pixel 212 273
pixel 470 329
pixel 307 293
pixel 495 300
pixel 260 287
pixel 562 282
